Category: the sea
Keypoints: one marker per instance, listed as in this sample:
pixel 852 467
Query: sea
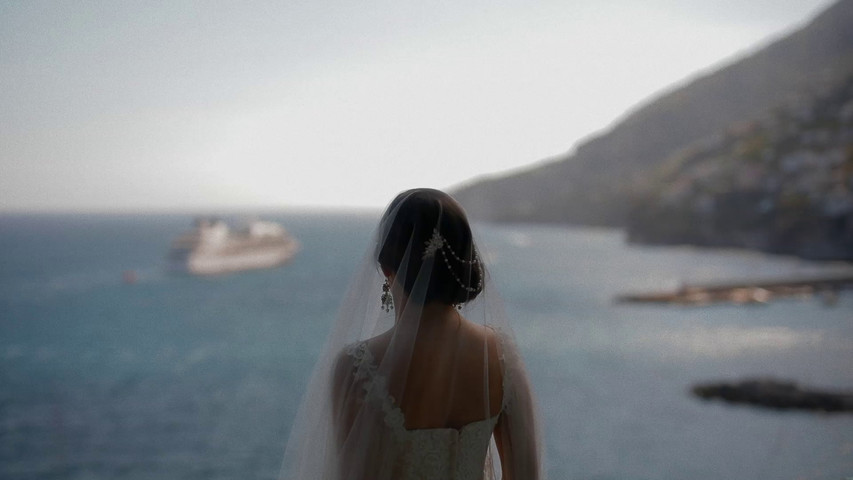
pixel 180 377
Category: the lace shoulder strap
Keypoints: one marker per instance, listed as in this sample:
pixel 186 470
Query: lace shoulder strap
pixel 362 360
pixel 375 386
pixel 509 359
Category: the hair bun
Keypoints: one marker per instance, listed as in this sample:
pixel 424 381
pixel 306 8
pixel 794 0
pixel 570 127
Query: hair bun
pixel 427 228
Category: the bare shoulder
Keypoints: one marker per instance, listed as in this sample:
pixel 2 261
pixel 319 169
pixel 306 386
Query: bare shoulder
pixel 485 334
pixel 490 337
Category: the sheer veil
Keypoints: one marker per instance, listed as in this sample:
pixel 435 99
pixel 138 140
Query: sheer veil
pixel 422 380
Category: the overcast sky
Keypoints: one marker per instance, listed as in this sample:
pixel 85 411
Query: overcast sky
pixel 182 105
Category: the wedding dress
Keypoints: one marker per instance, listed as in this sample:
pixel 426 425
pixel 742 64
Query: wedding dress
pixel 431 453
pixel 390 399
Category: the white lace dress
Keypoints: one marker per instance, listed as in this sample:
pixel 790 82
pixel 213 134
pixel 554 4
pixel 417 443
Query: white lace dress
pixel 432 453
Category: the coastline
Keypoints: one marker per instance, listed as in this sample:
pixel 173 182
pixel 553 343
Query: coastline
pixel 826 288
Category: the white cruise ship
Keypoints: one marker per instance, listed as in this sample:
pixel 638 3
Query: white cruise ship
pixel 213 248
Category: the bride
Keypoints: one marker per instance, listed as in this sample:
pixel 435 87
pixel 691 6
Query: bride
pixel 420 377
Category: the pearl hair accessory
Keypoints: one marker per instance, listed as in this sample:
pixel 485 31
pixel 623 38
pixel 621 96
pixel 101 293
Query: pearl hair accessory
pixel 435 242
pixel 438 243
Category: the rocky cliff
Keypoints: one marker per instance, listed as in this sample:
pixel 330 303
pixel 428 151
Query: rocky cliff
pixel 781 183
pixel 602 183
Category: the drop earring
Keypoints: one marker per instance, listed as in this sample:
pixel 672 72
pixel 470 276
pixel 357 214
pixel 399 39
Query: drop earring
pixel 386 300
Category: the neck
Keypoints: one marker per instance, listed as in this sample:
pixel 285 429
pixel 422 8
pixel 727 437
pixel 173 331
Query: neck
pixel 429 316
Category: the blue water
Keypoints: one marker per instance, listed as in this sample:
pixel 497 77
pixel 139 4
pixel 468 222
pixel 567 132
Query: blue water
pixel 182 377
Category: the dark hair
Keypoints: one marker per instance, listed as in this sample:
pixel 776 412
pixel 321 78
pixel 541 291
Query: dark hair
pixel 407 226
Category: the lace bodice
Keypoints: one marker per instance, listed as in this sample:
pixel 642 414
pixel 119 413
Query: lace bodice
pixel 432 453
pixel 447 453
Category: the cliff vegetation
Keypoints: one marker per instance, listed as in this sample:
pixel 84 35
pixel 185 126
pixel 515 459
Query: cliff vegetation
pixel 782 183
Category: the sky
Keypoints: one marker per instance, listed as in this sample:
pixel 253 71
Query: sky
pixel 202 105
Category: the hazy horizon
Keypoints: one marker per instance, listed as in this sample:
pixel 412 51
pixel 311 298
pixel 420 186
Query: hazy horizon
pixel 177 107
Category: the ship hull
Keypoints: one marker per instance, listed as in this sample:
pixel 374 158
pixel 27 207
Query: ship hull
pixel 213 263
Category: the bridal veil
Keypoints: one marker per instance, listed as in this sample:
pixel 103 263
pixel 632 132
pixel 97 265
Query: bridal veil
pixel 420 376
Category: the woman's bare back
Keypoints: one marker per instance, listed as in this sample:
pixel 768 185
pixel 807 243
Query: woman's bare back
pixel 444 383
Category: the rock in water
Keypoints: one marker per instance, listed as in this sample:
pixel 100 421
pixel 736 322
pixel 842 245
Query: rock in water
pixel 776 394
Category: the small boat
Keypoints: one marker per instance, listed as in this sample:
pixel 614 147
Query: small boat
pixel 211 248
